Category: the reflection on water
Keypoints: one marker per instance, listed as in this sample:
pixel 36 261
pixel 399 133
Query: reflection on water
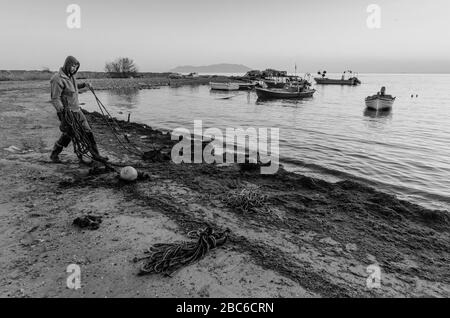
pixel 193 89
pixel 377 113
pixel 331 134
pixel 283 102
pixel 215 92
pixel 125 98
pixel 377 119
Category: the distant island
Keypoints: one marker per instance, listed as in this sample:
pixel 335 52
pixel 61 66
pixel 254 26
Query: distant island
pixel 215 68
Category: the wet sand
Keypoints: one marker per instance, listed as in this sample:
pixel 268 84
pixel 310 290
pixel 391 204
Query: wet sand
pixel 309 238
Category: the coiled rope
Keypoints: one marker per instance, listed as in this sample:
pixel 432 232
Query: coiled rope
pixel 167 258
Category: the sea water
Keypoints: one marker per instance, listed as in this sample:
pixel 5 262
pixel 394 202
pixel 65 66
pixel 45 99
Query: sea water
pixel 405 152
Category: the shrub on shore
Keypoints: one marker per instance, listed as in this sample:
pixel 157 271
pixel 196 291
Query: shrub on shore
pixel 122 67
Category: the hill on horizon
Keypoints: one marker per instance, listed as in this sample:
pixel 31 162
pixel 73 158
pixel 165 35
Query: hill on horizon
pixel 214 68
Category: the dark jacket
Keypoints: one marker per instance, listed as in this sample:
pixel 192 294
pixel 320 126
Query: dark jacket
pixel 64 87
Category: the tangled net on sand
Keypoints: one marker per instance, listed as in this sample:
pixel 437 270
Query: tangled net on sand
pixel 245 200
pixel 167 258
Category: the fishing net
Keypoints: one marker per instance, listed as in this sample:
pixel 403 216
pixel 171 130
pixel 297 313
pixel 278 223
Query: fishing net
pixel 82 144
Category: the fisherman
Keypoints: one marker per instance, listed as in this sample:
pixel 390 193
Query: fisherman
pixel 64 95
pixel 382 92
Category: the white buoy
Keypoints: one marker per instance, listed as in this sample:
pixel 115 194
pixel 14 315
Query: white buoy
pixel 128 174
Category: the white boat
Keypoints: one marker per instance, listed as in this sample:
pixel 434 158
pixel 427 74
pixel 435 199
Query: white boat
pixel 380 101
pixel 224 86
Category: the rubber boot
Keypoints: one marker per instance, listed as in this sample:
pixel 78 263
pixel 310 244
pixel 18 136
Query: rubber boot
pixel 57 149
pixel 95 151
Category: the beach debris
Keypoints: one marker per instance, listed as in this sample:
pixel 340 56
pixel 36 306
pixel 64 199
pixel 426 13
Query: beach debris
pixel 12 149
pixel 157 155
pixel 167 258
pixel 16 150
pixel 29 238
pixel 128 173
pixel 245 199
pixel 98 170
pixel 90 222
pixel 143 176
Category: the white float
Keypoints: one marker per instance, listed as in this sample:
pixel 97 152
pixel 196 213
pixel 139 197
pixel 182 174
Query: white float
pixel 128 173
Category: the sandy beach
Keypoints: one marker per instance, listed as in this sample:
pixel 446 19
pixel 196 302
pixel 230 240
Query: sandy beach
pixel 309 238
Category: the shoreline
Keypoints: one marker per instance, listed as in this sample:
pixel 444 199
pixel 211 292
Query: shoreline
pixel 310 238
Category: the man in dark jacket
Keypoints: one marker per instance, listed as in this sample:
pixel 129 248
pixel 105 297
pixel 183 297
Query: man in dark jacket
pixel 64 95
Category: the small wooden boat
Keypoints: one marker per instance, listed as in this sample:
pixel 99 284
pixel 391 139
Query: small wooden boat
pixel 246 86
pixel 380 101
pixel 284 93
pixel 224 86
pixel 353 81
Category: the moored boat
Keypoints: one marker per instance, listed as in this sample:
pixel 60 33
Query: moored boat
pixel 246 86
pixel 225 86
pixel 353 81
pixel 284 93
pixel 380 101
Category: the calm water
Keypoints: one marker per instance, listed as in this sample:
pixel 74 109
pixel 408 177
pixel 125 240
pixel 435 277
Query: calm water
pixel 405 152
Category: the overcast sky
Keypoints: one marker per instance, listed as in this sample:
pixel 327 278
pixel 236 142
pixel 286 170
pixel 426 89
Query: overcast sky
pixel 159 35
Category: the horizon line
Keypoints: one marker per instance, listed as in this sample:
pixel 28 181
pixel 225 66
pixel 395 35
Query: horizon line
pixel 393 73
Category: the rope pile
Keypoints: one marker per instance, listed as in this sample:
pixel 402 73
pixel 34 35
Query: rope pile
pixel 167 258
pixel 245 200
